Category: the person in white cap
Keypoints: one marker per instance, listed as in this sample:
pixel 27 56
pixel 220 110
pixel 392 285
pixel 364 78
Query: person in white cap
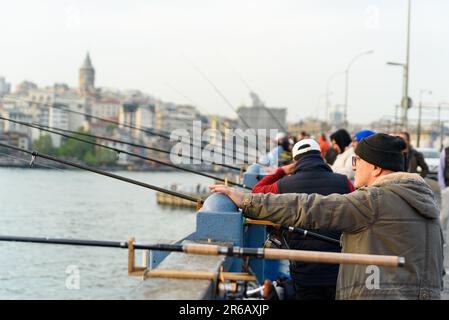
pixel 305 147
pixel 309 174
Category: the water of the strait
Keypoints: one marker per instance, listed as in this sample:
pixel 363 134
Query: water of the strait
pixel 77 204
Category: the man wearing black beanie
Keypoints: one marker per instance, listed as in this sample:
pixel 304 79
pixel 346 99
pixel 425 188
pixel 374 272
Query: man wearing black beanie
pixel 382 151
pixel 391 213
pixel 341 142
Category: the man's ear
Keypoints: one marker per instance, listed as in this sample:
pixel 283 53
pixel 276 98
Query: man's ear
pixel 377 171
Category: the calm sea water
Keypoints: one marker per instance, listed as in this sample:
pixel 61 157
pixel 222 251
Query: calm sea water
pixel 76 204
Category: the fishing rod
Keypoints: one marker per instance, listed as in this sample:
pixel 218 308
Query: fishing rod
pixel 246 84
pixel 193 103
pixel 129 144
pixel 35 155
pixel 185 97
pixel 224 98
pixel 303 232
pixel 146 130
pixel 159 133
pixel 232 251
pixel 64 107
pixel 219 93
pixel 126 152
pixel 46 166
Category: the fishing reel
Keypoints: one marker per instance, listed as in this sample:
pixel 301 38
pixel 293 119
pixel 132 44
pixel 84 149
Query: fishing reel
pixel 249 289
pixel 244 290
pixel 275 239
pixel 269 290
pixel 230 290
pixel 235 286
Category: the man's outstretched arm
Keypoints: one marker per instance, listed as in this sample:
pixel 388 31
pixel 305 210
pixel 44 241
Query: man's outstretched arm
pixel 350 213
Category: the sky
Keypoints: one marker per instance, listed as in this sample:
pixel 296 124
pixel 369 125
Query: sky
pixel 284 50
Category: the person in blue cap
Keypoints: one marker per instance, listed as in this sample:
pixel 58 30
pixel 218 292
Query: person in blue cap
pixel 345 146
pixel 360 135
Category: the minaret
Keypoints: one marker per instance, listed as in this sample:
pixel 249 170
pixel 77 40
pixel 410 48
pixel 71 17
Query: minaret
pixel 86 77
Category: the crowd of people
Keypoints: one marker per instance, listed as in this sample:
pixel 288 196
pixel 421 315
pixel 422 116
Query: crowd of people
pixel 366 190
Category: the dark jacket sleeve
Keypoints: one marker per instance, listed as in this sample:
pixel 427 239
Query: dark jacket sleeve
pixel 422 164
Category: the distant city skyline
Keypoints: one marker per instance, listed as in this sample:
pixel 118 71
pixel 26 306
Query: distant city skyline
pixel 284 50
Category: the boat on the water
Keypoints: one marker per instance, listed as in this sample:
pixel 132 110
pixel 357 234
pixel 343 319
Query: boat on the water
pixel 199 192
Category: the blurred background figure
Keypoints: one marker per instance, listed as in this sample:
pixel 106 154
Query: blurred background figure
pixel 271 159
pixel 443 181
pixel 324 144
pixel 302 135
pixel 328 153
pixel 341 142
pixel 359 136
pixel 286 155
pixel 413 158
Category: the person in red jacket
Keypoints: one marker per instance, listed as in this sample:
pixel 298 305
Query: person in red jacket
pixel 324 144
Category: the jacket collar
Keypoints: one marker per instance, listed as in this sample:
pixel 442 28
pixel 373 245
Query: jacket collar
pixel 398 176
pixel 313 162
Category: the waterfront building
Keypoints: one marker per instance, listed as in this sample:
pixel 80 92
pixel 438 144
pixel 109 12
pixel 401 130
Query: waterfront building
pixel 5 87
pixel 24 87
pixel 170 117
pixel 140 115
pixel 259 116
pixel 106 107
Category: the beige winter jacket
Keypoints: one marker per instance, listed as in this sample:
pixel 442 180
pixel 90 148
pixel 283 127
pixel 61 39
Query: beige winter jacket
pixel 396 216
pixel 343 163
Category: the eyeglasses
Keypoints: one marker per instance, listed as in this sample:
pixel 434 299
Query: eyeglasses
pixel 354 160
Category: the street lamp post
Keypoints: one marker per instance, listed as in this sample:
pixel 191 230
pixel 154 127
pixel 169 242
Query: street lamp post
pixel 406 101
pixel 347 82
pixel 396 118
pixel 328 92
pixel 418 132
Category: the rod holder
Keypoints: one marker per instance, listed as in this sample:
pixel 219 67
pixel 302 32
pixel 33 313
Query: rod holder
pixel 199 275
pixel 198 205
pixel 134 270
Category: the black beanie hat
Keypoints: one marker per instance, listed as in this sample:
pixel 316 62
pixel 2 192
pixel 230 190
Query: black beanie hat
pixel 342 138
pixel 382 150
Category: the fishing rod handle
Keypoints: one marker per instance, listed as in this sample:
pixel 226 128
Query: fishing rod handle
pixel 202 249
pixel 334 257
